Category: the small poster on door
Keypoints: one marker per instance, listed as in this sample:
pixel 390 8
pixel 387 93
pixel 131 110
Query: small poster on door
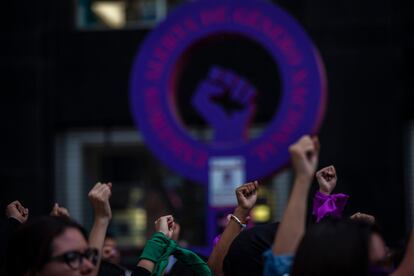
pixel 225 175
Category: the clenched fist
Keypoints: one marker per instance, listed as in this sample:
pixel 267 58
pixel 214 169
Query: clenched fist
pixel 327 179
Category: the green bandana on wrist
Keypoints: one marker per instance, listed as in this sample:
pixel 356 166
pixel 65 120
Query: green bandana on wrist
pixel 155 247
pixel 159 248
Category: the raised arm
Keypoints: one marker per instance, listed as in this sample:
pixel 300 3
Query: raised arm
pixel 99 198
pixel 304 157
pixel 325 203
pixel 154 250
pixel 16 214
pixel 246 198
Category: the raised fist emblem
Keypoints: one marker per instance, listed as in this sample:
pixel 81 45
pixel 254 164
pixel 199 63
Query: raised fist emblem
pixel 226 102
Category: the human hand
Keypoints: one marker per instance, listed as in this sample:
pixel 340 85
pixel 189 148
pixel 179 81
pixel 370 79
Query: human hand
pixel 176 231
pixel 246 198
pixel 226 103
pixel 327 179
pixel 304 155
pixel 165 225
pixel 58 211
pixel 17 211
pixel 99 197
pixel 363 217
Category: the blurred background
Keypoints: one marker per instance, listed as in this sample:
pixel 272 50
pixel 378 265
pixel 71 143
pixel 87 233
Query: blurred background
pixel 66 122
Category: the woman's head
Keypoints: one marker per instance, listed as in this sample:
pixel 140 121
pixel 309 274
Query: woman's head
pixel 50 246
pixel 334 247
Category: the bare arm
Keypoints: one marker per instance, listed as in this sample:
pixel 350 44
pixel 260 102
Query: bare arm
pixel 164 225
pixel 304 155
pixel 99 198
pixel 246 198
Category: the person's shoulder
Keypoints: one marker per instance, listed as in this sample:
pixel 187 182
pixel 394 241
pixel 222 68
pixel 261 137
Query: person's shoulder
pixel 107 268
pixel 265 232
pixel 139 271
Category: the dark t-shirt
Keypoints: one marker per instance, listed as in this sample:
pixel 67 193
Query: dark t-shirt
pixel 245 255
pixel 140 271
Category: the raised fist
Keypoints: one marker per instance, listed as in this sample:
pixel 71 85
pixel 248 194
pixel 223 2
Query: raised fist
pixel 17 211
pixel 99 197
pixel 327 179
pixel 247 195
pixel 59 211
pixel 165 225
pixel 226 103
pixel 304 155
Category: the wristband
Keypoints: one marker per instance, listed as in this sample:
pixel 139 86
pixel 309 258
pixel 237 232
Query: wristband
pixel 236 219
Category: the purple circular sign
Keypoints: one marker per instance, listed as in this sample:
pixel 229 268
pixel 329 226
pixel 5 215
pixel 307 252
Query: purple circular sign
pixel 159 63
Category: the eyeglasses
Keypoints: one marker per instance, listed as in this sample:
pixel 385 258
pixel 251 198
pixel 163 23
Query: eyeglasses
pixel 74 259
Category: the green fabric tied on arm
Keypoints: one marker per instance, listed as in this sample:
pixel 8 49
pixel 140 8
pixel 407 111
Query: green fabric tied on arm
pixel 192 260
pixel 159 248
pixel 155 247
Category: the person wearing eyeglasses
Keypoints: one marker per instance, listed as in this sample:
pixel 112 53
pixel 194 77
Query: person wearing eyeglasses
pixel 48 246
pixel 57 245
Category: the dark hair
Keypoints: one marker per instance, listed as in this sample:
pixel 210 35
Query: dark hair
pixel 245 255
pixel 30 247
pixel 110 269
pixel 333 247
pixel 109 235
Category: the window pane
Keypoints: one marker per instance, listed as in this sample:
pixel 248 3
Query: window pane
pixel 119 14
